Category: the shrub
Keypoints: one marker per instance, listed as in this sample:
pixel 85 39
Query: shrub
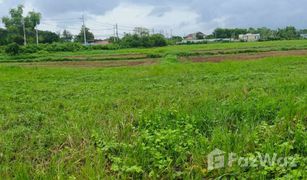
pixel 106 47
pixel 153 55
pixel 2 48
pixel 170 59
pixel 31 48
pixel 135 41
pixel 158 40
pixel 12 49
pixel 62 47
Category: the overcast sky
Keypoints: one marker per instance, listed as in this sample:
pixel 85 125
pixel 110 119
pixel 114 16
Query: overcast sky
pixel 179 17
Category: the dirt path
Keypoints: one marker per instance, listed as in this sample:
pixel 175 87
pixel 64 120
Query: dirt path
pixel 245 56
pixel 88 64
pixel 108 56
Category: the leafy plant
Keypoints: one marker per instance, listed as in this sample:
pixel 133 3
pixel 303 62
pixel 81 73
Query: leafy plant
pixel 12 49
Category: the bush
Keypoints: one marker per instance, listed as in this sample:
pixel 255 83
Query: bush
pixel 169 59
pixel 31 48
pixel 62 47
pixel 2 49
pixel 158 40
pixel 12 49
pixel 136 41
pixel 106 47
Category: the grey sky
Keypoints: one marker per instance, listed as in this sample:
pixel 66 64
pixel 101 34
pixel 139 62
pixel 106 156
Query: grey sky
pixel 180 16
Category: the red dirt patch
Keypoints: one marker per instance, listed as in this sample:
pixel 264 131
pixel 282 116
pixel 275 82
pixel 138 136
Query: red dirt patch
pixel 245 56
pixel 107 56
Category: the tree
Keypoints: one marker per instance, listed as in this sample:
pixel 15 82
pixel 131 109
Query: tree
pixel 303 31
pixel 3 36
pixel 129 41
pixel 113 39
pixel 175 39
pixel 266 34
pixel 48 37
pixel 141 31
pixel 157 40
pixel 228 33
pixel 135 40
pixel 288 33
pixel 66 36
pixel 89 35
pixel 14 24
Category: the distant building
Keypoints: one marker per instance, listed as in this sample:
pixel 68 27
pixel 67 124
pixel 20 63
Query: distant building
pixel 304 36
pixel 249 37
pixel 195 36
pixel 100 42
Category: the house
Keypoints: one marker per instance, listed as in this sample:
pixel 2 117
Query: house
pixel 195 36
pixel 249 37
pixel 304 36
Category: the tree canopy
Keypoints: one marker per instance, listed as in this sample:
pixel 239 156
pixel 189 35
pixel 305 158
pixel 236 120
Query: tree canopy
pixel 89 35
pixel 14 24
pixel 66 36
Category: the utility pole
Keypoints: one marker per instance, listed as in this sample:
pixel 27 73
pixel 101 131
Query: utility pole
pixel 36 34
pixel 24 32
pixel 116 32
pixel 84 30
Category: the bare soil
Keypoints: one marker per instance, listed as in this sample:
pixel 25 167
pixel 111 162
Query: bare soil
pixel 88 64
pixel 106 56
pixel 148 61
pixel 244 56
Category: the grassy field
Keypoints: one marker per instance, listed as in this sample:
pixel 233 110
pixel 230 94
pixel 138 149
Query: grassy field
pixel 156 121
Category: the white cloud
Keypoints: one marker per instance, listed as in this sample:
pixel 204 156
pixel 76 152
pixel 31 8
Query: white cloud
pixel 128 15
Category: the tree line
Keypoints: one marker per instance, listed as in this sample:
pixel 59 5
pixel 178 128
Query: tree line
pixel 17 26
pixel 266 34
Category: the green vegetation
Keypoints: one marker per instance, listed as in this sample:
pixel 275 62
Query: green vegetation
pixel 14 26
pixel 80 37
pixel 22 29
pixel 69 51
pixel 145 41
pixel 156 121
pixel 266 34
pixel 12 49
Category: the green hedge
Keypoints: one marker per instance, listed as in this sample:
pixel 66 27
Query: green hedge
pixel 59 47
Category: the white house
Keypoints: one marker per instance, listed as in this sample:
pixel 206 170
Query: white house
pixel 249 37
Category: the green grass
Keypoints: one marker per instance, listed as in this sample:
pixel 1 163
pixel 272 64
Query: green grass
pixel 181 50
pixel 155 121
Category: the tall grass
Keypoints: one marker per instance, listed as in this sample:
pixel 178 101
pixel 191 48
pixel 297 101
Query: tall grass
pixel 151 122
